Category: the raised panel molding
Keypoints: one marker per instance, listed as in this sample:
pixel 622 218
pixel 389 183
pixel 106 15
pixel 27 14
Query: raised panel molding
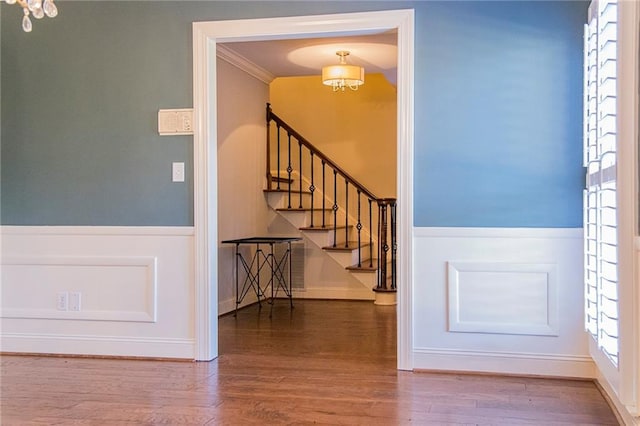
pixel 136 288
pixel 500 300
pixel 503 298
pixel 100 277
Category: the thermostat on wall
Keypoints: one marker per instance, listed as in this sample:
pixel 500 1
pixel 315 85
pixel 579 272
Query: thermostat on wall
pixel 175 121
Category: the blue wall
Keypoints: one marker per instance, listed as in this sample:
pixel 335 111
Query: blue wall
pixel 498 111
pixel 499 114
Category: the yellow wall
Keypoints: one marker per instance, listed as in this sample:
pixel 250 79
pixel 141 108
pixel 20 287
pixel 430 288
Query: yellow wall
pixel 356 129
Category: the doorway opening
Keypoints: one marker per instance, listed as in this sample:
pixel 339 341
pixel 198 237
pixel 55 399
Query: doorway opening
pixel 206 36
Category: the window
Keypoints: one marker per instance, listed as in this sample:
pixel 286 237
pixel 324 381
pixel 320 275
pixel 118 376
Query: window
pixel 600 159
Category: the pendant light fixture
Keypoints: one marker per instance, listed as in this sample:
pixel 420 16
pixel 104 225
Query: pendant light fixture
pixel 343 75
pixel 37 8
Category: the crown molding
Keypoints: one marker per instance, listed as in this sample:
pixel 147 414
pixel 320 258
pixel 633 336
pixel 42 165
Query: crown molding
pixel 239 61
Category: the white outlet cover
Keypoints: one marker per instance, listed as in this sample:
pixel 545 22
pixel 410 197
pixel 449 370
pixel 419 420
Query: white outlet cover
pixel 177 172
pixel 62 299
pixel 75 300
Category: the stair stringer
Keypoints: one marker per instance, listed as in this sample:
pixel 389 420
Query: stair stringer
pixel 324 238
pixel 279 201
pixel 324 278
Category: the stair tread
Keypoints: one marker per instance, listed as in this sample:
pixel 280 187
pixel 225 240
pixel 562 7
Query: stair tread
pixel 386 290
pixel 365 266
pixel 303 209
pixel 324 229
pixel 351 245
pixel 281 179
pixel 286 191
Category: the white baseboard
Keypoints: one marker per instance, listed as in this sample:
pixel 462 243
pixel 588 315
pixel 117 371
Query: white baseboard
pixel 622 412
pixel 97 345
pixel 333 293
pixel 504 363
pixel 229 305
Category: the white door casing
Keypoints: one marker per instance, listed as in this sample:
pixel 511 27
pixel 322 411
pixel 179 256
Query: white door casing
pixel 205 37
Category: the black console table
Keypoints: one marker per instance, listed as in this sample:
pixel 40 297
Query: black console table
pixel 277 267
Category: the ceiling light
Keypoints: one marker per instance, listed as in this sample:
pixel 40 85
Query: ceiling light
pixel 342 75
pixel 36 7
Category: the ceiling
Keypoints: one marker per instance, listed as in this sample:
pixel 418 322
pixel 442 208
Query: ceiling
pixel 377 53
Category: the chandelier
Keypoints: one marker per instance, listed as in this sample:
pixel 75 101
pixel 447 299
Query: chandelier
pixel 37 8
pixel 342 75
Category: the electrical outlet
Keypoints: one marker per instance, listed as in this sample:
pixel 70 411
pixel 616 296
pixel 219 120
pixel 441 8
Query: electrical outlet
pixel 62 301
pixel 75 301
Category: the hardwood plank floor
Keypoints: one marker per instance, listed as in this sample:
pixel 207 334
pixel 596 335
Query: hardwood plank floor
pixel 322 363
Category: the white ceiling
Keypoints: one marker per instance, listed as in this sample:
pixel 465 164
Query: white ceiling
pixel 377 53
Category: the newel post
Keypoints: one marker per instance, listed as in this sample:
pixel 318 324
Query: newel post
pixel 386 287
pixel 394 245
pixel 269 177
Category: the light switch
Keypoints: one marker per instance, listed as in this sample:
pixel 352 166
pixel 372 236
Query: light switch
pixel 178 172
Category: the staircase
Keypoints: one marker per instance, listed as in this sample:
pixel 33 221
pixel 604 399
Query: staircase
pixel 331 209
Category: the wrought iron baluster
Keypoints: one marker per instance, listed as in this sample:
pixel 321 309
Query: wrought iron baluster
pixel 312 188
pixel 359 228
pixel 289 170
pixel 278 171
pixel 324 195
pixel 346 213
pixel 335 206
pixel 380 260
pixel 300 175
pixel 370 235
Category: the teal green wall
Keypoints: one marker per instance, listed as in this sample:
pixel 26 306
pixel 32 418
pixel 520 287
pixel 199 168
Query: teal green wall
pixel 497 98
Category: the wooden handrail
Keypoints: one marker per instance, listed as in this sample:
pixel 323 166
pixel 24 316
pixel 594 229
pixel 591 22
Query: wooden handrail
pixel 272 116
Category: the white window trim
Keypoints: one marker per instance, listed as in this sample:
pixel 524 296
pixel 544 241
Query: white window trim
pixel 629 288
pixel 601 156
pixel 625 392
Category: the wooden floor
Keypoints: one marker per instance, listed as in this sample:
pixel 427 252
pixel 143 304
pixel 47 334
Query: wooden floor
pixel 322 363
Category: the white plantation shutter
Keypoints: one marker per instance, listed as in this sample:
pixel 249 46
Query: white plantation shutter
pixel 600 146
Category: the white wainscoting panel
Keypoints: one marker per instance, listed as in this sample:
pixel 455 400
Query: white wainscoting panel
pixel 30 284
pixel 136 290
pixel 511 298
pixel 505 300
